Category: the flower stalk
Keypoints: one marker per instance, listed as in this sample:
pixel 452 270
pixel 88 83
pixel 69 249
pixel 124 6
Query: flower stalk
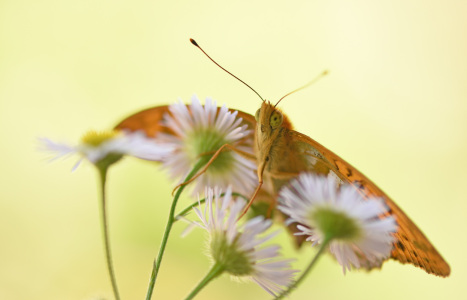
pixel 305 272
pixel 168 227
pixel 105 230
pixel 216 270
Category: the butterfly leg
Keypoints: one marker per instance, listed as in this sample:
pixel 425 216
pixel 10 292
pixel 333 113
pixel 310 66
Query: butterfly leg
pixel 275 175
pixel 224 147
pixel 260 184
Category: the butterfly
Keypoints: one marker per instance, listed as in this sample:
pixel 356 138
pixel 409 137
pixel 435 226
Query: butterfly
pixel 275 141
pixel 282 153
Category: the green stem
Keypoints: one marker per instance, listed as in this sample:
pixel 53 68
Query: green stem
pixel 105 229
pixel 306 271
pixel 168 228
pixel 186 210
pixel 215 271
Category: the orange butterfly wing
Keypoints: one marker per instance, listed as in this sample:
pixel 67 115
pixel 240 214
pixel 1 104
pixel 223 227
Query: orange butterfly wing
pixel 411 244
pixel 149 121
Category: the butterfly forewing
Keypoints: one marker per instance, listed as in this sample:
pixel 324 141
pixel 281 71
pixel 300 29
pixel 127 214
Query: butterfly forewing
pixel 411 245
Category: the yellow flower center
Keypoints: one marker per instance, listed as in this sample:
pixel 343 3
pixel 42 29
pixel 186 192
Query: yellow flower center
pixel 96 138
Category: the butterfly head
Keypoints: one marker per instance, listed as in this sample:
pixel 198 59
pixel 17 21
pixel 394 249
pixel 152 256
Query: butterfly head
pixel 271 123
pixel 270 119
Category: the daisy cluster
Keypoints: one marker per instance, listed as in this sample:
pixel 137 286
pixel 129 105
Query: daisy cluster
pixel 357 231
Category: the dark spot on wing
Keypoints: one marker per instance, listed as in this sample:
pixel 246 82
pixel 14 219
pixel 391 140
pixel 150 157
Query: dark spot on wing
pixel 400 246
pixel 358 184
pixel 337 165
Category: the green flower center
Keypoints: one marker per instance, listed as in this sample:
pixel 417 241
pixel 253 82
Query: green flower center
pixel 96 138
pixel 227 255
pixel 335 224
pixel 204 143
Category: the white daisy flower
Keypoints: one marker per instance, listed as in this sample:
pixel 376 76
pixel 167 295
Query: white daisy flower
pixel 359 235
pixel 199 130
pixel 107 147
pixel 236 248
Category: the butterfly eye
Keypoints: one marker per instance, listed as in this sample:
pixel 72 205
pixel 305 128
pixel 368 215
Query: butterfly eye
pixel 257 115
pixel 276 119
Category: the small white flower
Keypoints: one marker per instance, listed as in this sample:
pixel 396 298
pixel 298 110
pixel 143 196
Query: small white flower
pixel 108 145
pixel 359 235
pixel 199 131
pixel 237 247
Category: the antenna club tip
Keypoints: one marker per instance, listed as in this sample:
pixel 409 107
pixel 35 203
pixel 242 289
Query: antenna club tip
pixel 194 42
pixel 325 72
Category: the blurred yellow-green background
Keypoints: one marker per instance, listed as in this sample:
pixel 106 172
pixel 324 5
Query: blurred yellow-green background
pixel 394 105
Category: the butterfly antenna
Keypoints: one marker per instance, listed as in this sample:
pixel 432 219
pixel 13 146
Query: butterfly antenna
pixel 196 44
pixel 305 86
